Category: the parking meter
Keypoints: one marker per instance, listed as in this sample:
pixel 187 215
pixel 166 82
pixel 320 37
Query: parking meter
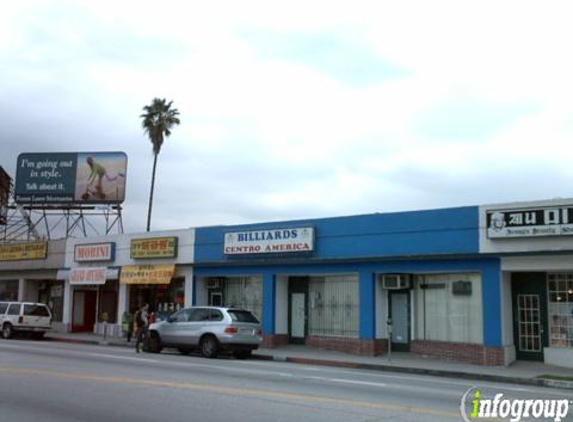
pixel 389 324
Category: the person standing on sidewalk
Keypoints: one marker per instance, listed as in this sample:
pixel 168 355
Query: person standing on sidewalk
pixel 141 323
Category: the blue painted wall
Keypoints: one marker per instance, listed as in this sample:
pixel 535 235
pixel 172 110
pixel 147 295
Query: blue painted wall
pixel 433 232
pixel 489 268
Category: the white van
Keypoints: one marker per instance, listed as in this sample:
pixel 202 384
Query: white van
pixel 24 317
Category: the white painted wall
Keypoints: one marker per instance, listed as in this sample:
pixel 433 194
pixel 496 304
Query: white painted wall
pixel 561 262
pixel 281 310
pixel 185 248
pixel 558 356
pixel 507 319
pixel 506 309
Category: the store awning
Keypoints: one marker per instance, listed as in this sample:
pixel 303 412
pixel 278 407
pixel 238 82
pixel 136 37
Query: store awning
pixel 88 275
pixel 147 274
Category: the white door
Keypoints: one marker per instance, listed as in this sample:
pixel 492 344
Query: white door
pixel 298 315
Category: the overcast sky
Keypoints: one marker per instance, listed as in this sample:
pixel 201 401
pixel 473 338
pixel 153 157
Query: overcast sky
pixel 298 109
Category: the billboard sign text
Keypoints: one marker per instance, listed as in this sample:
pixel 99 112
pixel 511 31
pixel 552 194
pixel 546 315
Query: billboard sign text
pixel 63 178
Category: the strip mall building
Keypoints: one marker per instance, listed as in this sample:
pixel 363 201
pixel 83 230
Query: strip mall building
pixel 486 285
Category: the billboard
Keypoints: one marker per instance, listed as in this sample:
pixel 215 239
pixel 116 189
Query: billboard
pixel 5 185
pixel 66 178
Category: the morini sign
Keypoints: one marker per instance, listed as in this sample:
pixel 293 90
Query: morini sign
pixel 291 240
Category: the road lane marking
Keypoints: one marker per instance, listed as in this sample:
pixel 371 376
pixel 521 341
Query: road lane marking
pixel 484 384
pixel 347 381
pixel 217 389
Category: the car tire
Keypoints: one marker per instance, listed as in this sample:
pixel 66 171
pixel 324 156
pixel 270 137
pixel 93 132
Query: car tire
pixel 154 344
pixel 209 346
pixel 184 351
pixel 7 331
pixel 243 354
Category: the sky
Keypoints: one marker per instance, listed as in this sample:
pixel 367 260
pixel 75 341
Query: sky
pixel 298 109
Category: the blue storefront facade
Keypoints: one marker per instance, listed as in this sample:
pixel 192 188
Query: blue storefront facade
pixel 412 280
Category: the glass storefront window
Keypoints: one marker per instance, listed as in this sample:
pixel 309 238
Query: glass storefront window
pixel 51 293
pixel 443 315
pixel 162 298
pixel 560 290
pixel 9 290
pixel 245 293
pixel 107 302
pixel 333 306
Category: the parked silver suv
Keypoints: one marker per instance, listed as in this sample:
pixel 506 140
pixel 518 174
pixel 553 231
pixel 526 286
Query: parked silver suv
pixel 211 330
pixel 24 317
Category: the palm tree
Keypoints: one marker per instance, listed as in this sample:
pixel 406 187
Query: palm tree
pixel 158 120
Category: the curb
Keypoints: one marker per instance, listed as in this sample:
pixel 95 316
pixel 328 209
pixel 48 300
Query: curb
pixel 537 382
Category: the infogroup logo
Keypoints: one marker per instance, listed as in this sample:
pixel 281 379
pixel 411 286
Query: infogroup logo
pixel 474 407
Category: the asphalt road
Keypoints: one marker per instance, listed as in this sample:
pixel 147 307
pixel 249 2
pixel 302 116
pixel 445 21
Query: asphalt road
pixel 48 381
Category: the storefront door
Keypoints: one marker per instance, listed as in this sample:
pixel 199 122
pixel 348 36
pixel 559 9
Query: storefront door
pixel 399 302
pixel 529 291
pixel 215 298
pixel 84 310
pixel 298 309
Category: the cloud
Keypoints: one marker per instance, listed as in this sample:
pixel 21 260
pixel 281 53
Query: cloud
pixel 298 109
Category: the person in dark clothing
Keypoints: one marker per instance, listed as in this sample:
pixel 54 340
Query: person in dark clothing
pixel 141 324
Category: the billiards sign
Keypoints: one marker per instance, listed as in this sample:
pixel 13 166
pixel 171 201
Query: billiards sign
pixel 275 241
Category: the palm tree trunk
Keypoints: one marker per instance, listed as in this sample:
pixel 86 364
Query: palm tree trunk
pixel 151 192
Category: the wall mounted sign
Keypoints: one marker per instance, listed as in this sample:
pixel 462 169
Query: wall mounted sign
pixel 23 251
pixel 87 276
pixel 94 252
pixel 154 247
pixel 270 241
pixel 462 288
pixel 147 274
pixel 533 222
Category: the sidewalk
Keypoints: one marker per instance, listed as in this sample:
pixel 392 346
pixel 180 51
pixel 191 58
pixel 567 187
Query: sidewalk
pixel 521 372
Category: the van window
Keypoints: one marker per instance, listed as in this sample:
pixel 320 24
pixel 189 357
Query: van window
pixel 14 309
pixel 3 307
pixel 36 310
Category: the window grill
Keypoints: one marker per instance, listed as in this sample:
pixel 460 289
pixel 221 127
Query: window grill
pixel 333 306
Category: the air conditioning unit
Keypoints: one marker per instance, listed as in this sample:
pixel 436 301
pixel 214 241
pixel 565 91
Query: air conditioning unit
pixel 395 281
pixel 213 283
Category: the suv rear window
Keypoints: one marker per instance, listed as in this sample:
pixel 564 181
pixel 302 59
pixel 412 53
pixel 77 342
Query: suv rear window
pixel 242 316
pixel 3 307
pixel 36 310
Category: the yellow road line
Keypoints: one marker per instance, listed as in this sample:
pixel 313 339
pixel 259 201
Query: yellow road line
pixel 231 390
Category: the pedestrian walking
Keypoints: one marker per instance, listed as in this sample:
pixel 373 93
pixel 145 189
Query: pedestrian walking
pixel 141 324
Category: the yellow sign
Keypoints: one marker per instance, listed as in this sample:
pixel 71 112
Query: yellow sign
pixel 21 251
pixel 154 247
pixel 147 274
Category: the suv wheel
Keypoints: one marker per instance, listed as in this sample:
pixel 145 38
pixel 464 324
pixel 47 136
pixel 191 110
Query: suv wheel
pixel 209 346
pixel 7 331
pixel 154 344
